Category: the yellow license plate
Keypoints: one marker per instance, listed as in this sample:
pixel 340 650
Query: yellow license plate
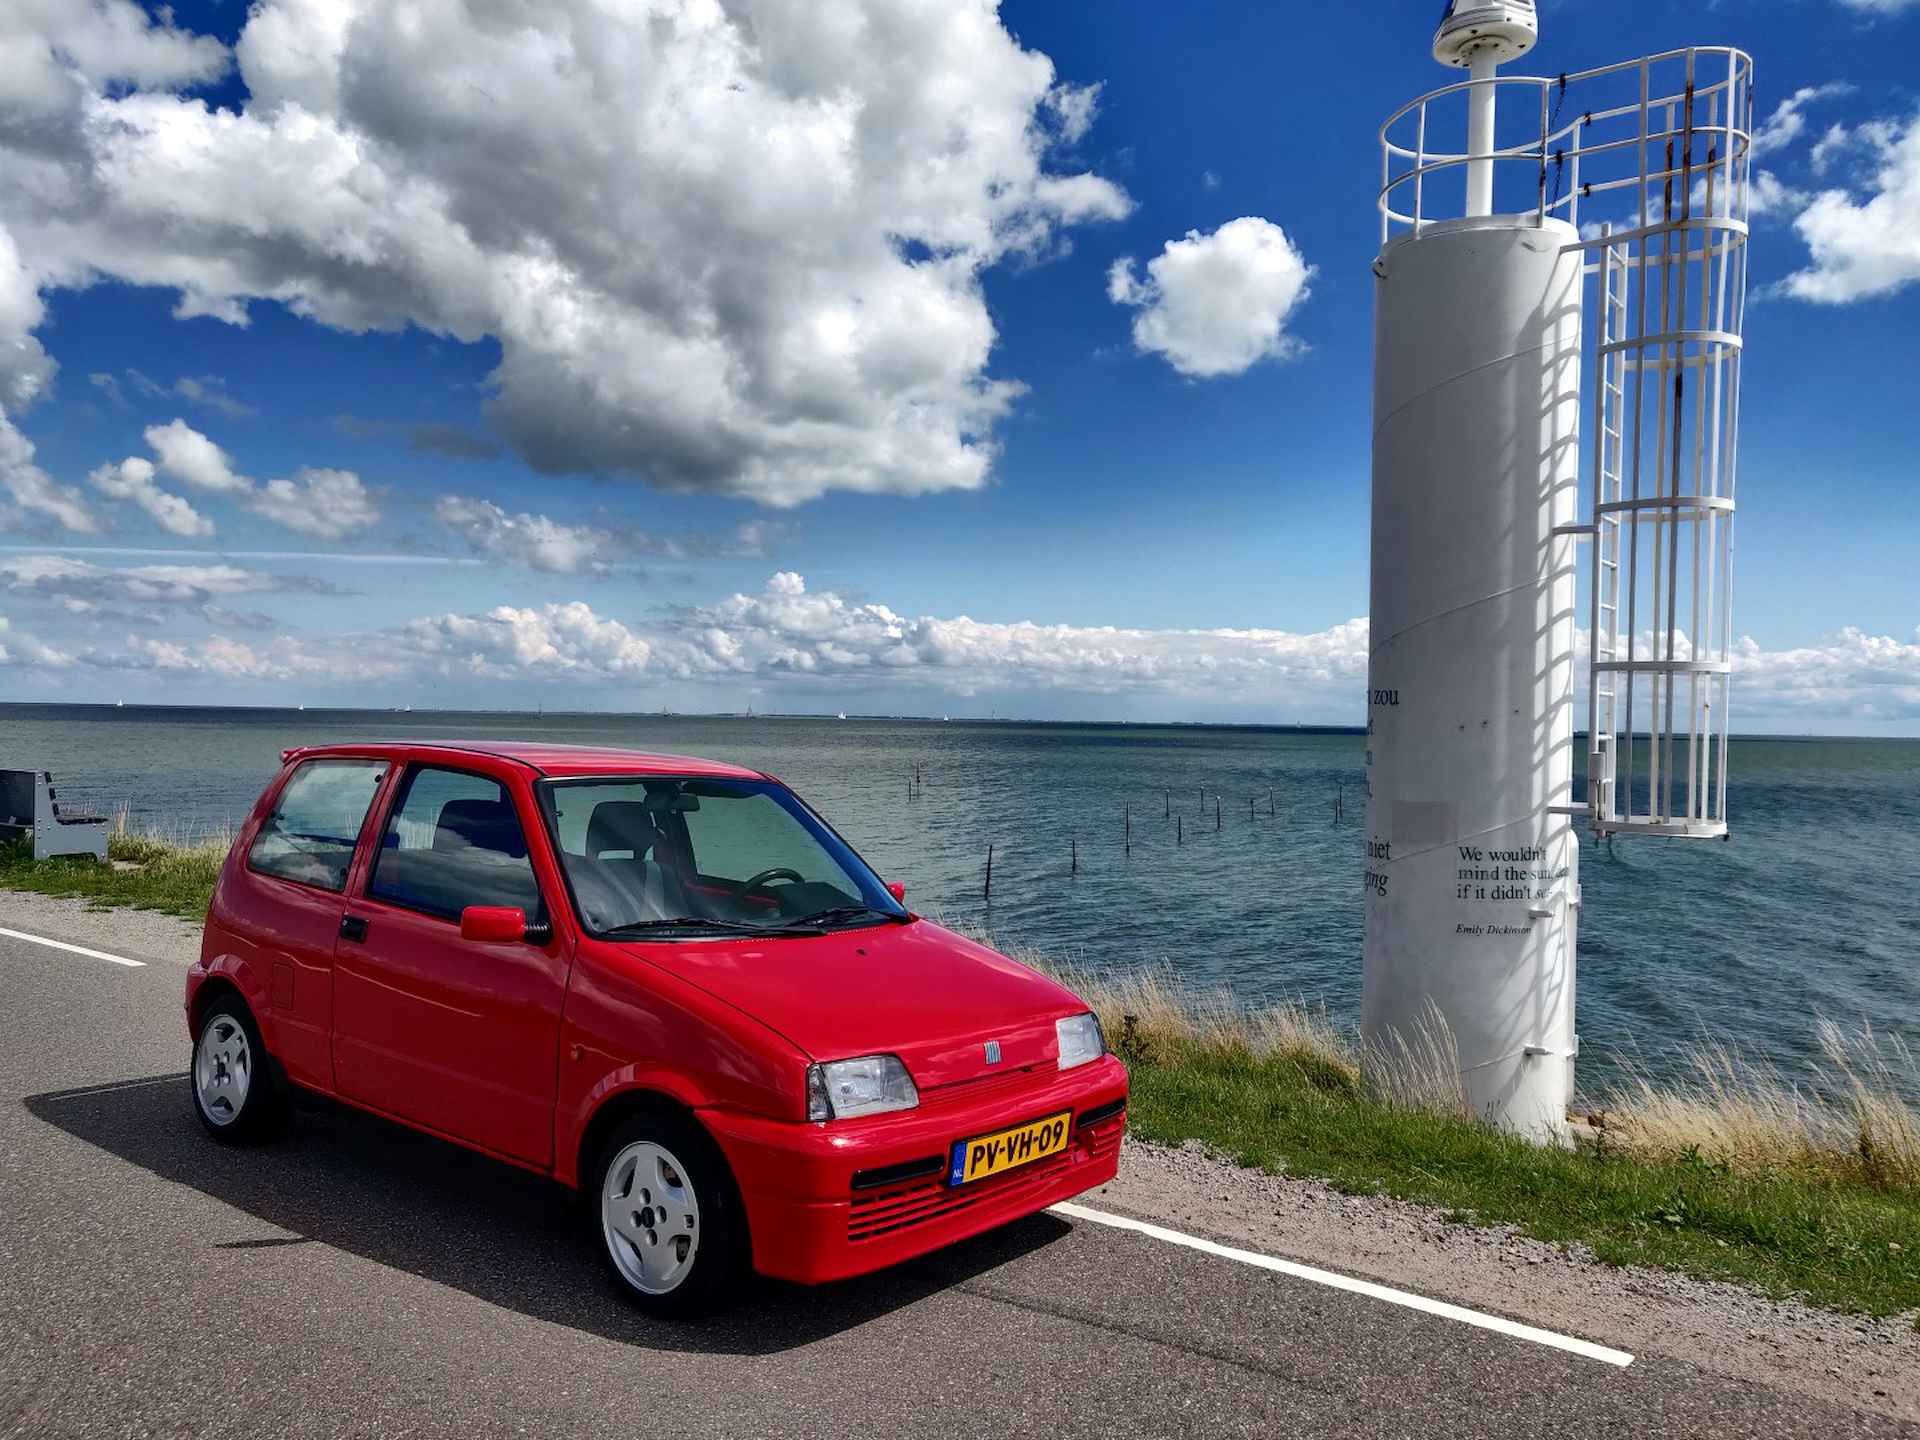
pixel 1005 1149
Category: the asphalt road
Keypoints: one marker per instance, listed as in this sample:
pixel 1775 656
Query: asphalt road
pixel 355 1278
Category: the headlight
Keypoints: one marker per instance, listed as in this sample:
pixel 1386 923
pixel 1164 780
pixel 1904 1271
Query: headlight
pixel 1080 1040
pixel 871 1085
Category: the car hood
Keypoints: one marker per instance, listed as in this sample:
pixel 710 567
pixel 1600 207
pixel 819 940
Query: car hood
pixel 918 991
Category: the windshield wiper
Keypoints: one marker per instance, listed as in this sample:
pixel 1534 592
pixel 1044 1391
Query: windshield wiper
pixel 848 912
pixel 725 927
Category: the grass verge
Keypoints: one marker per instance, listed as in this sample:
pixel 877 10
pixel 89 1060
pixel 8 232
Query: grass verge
pixel 1812 1192
pixel 1733 1175
pixel 152 874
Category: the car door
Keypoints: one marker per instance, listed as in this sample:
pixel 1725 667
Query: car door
pixel 281 908
pixel 457 1035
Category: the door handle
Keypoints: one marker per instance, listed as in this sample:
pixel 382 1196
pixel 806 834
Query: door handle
pixel 353 927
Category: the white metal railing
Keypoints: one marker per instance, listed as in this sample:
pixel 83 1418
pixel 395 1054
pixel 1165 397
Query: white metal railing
pixel 1695 105
pixel 1655 156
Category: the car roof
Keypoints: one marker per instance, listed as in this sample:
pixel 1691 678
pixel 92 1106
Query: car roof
pixel 545 756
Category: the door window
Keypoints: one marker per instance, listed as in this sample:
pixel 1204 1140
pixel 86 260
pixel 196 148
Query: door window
pixel 315 824
pixel 454 840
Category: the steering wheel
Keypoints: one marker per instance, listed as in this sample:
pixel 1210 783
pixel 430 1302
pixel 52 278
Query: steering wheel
pixel 779 872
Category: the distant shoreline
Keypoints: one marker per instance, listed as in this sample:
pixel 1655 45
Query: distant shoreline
pixel 149 708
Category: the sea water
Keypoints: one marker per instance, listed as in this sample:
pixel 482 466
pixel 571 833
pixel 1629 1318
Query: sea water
pixel 1247 851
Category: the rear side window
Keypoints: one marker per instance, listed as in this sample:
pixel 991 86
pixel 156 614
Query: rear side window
pixel 453 840
pixel 316 822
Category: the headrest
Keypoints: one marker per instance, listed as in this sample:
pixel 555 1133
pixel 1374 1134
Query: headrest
pixel 620 825
pixel 483 824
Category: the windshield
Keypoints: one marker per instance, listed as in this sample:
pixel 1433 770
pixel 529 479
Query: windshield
pixel 678 856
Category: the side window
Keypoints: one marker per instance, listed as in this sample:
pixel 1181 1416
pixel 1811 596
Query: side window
pixel 453 840
pixel 316 822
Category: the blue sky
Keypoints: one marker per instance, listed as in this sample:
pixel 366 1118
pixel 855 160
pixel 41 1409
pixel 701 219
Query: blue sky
pixel 542 411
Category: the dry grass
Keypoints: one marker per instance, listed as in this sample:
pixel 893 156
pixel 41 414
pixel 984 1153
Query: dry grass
pixel 1150 1012
pixel 1850 1115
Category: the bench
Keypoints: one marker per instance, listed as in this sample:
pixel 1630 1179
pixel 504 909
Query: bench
pixel 28 806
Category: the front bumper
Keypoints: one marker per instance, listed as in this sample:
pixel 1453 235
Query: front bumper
pixel 823 1201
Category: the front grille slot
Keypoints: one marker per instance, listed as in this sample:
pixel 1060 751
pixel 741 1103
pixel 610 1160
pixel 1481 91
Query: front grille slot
pixel 885 1175
pixel 1100 1113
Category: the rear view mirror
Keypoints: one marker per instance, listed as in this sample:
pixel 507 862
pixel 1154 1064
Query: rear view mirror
pixel 493 923
pixel 898 891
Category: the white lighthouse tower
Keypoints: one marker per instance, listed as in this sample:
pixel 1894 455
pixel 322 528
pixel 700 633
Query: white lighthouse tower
pixel 1491 326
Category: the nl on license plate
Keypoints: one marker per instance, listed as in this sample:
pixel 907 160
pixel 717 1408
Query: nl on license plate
pixel 1004 1149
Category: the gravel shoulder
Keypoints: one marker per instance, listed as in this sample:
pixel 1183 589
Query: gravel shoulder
pixel 1868 1364
pixel 137 934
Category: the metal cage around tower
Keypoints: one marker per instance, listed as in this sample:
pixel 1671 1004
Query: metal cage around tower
pixel 1648 161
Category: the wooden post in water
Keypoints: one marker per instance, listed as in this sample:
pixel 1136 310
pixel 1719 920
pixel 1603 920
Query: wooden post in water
pixel 1269 801
pixel 1249 809
pixel 1075 843
pixel 1216 812
pixel 1126 813
pixel 1179 831
pixel 987 893
pixel 1169 814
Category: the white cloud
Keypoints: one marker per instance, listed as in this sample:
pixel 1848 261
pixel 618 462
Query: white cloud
pixel 540 542
pixel 192 458
pixel 63 578
pixel 535 541
pixel 132 480
pixel 35 495
pixel 1215 304
pixel 1880 7
pixel 564 640
pixel 727 249
pixel 1871 246
pixel 211 391
pixel 823 644
pixel 1828 147
pixel 56 51
pixel 1768 195
pixel 17 647
pixel 1853 674
pixel 1073 108
pixel 326 504
pixel 225 658
pixel 1788 121
pixel 788 630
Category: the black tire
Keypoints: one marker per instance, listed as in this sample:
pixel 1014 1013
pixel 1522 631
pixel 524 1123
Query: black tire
pixel 719 1269
pixel 228 1041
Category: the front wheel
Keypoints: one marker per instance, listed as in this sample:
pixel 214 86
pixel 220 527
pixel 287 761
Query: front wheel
pixel 667 1217
pixel 234 1088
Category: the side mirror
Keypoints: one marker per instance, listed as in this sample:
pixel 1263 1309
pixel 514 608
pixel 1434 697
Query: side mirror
pixel 898 891
pixel 493 923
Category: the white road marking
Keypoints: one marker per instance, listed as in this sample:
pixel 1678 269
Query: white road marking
pixel 76 949
pixel 1585 1348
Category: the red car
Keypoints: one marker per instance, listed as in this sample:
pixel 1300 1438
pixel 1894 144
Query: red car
pixel 665 982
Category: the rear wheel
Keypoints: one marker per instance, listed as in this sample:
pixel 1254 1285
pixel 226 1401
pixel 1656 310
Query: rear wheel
pixel 235 1091
pixel 667 1218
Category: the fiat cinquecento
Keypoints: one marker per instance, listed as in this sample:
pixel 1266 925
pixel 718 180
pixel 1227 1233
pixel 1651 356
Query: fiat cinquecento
pixel 664 982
